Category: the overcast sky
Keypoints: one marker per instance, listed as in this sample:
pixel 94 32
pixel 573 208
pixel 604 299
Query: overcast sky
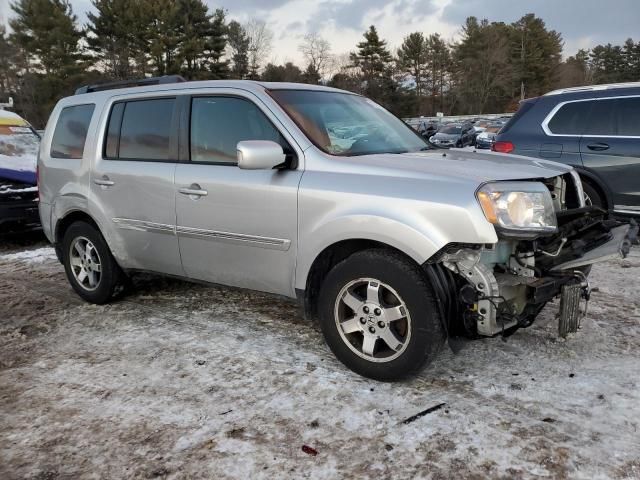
pixel 583 23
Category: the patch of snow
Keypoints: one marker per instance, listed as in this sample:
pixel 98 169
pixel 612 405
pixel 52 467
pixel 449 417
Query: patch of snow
pixel 8 189
pixel 39 255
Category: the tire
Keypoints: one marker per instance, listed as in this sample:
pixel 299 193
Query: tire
pixel 592 196
pixel 403 292
pixel 108 279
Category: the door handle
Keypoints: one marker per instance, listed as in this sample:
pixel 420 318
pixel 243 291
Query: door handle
pixel 193 190
pixel 598 147
pixel 104 181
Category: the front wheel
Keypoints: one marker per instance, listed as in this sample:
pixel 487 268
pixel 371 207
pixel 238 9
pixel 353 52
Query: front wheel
pixel 379 316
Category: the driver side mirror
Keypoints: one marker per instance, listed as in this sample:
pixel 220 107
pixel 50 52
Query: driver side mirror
pixel 259 155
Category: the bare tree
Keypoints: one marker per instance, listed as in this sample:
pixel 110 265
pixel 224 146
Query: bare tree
pixel 317 52
pixel 260 43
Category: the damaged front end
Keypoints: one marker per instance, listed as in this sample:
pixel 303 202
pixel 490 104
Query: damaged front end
pixel 548 240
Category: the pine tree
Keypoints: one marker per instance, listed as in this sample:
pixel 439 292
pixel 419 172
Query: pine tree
pixel 374 61
pixel 194 19
pixel 536 56
pixel 413 59
pixel 46 31
pixel 239 48
pixel 114 36
pixel 215 46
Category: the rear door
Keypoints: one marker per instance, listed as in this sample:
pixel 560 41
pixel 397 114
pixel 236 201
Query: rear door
pixel 132 190
pixel 241 227
pixel 610 146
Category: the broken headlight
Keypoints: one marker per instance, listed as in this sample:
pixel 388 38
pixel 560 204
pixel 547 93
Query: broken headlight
pixel 518 208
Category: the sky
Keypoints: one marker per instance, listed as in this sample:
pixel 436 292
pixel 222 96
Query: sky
pixel 583 23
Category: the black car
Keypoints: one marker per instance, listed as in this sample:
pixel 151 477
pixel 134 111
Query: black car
pixel 596 129
pixel 454 135
pixel 18 206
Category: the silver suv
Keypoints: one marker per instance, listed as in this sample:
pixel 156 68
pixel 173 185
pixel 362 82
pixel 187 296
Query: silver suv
pixel 321 195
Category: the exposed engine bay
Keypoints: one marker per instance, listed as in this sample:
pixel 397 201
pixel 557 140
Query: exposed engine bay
pixel 492 289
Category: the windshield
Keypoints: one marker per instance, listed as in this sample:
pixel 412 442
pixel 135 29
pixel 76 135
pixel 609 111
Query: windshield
pixel 346 124
pixel 451 130
pixel 18 148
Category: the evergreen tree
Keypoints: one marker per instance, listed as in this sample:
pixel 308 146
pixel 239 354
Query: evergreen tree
pixel 536 56
pixel 195 28
pixel 282 73
pixel 413 60
pixel 46 31
pixel 215 46
pixel 113 36
pixel 239 48
pixel 482 66
pixel 374 61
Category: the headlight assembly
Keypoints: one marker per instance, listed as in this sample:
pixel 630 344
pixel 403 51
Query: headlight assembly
pixel 518 208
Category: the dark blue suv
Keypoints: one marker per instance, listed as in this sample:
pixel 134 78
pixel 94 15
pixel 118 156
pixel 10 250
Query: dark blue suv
pixel 596 129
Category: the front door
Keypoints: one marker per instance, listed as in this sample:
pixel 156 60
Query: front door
pixel 132 187
pixel 235 227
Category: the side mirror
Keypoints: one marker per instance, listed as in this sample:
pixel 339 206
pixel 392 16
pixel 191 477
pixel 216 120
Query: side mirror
pixel 259 154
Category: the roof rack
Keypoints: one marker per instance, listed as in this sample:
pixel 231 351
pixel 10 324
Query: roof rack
pixel 98 87
pixel 594 88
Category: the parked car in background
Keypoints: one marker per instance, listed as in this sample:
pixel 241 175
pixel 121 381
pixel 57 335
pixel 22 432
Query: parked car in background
pixel 19 145
pixel 427 128
pixel 239 183
pixel 596 129
pixel 453 135
pixel 485 139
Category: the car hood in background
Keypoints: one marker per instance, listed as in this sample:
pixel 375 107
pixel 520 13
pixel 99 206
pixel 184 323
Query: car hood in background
pixel 447 136
pixel 460 164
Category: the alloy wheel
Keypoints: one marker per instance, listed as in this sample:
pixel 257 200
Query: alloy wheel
pixel 372 320
pixel 85 263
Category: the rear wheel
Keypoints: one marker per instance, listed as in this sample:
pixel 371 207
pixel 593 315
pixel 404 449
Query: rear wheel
pixel 378 315
pixel 89 265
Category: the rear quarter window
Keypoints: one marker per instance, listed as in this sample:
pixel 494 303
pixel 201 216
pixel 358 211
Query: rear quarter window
pixel 570 119
pixel 70 134
pixel 525 106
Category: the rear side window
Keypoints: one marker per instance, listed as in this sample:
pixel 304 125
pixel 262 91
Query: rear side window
pixel 140 130
pixel 71 130
pixel 628 113
pixel 570 119
pixel 219 123
pixel 601 119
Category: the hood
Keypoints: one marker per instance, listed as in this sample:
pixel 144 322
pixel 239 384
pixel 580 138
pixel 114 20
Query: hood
pixel 479 167
pixel 447 136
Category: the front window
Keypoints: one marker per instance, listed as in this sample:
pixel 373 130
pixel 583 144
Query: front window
pixel 348 125
pixel 451 130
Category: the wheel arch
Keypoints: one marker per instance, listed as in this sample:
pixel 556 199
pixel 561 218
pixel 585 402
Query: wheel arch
pixel 68 219
pixel 330 256
pixel 594 180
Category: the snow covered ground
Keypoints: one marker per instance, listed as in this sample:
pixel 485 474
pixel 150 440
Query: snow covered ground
pixel 189 381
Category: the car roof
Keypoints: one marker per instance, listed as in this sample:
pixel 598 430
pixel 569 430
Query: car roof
pixel 595 88
pixel 247 85
pixel 12 119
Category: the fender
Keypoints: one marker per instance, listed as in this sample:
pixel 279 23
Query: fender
pixel 420 240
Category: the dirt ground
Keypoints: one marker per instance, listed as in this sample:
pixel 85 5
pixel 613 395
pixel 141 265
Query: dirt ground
pixel 179 380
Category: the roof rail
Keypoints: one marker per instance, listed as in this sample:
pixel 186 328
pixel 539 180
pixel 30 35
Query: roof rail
pixel 98 87
pixel 594 88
